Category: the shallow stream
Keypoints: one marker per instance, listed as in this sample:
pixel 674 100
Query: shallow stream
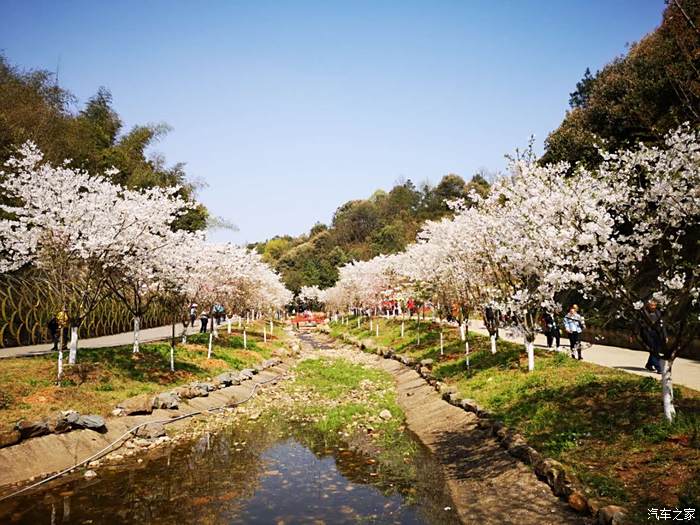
pixel 264 474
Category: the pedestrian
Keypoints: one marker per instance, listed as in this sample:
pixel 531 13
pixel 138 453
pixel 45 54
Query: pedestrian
pixel 653 335
pixel 492 320
pixel 193 313
pixel 204 319
pixel 54 332
pixel 550 328
pixel 574 325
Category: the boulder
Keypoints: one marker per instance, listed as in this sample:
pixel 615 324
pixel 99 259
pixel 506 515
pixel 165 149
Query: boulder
pixel 556 476
pixel 425 372
pixel 142 404
pixel 90 474
pixel 577 501
pixel 91 422
pixel 611 515
pixel 447 390
pixel 249 372
pixel 10 436
pixel 385 415
pixel 428 363
pixel 150 431
pixel 30 429
pixel 245 374
pixel 166 400
pixel 62 421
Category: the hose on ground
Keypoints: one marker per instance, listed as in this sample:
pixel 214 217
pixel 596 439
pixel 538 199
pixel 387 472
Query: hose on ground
pixel 132 430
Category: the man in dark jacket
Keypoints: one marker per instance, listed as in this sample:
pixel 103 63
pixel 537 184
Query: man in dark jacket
pixel 653 334
pixel 54 332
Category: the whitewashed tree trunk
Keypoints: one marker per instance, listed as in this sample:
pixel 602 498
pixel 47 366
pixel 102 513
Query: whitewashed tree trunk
pixel 530 348
pixel 272 326
pixel 442 345
pixel 264 334
pixel 73 348
pixel 211 337
pixel 245 339
pixel 228 324
pixel 493 344
pixel 462 331
pixel 172 358
pixel 137 331
pixel 358 322
pixel 371 324
pixel 215 329
pixel 60 363
pixel 466 352
pixel 667 390
pixel 402 329
pixel 239 321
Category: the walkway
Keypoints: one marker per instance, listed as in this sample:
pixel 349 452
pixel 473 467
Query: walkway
pixel 124 338
pixel 686 372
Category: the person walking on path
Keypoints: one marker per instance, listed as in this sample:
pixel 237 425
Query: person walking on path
pixel 54 331
pixel 204 319
pixel 193 313
pixel 550 328
pixel 574 325
pixel 653 335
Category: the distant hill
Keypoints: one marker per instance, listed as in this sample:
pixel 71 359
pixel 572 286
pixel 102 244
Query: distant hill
pixel 361 229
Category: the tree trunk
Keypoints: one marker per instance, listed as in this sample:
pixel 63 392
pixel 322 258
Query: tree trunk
pixel 667 390
pixel 462 331
pixel 228 323
pixel 442 345
pixel 530 348
pixel 137 330
pixel 272 326
pixel 172 349
pixel 73 349
pixel 264 334
pixel 402 329
pixel 245 340
pixel 466 353
pixel 60 354
pixel 493 344
pixel 211 336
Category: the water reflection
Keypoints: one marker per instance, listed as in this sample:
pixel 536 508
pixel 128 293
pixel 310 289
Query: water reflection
pixel 261 475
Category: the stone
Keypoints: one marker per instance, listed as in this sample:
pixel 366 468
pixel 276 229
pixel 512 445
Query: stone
pixel 577 501
pixel 385 415
pixel 150 431
pixel 58 422
pixel 249 372
pixel 611 515
pixel 245 374
pixel 166 400
pixel 521 452
pixel 90 474
pixel 514 441
pixel 9 437
pixel 118 412
pixel 30 429
pixel 142 404
pixel 92 422
pixel 470 405
pixel 593 506
pixel 428 363
pixel 223 380
pixel 556 477
pixel 424 371
pixel 455 398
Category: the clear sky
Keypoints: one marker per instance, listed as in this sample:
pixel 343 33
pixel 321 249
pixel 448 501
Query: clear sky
pixel 287 109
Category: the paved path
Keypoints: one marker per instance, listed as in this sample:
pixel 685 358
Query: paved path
pixel 686 372
pixel 125 338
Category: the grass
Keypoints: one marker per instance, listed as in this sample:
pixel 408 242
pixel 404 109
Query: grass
pixel 339 397
pixel 103 377
pixel 605 425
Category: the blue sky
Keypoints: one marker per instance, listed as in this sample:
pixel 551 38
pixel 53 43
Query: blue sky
pixel 288 109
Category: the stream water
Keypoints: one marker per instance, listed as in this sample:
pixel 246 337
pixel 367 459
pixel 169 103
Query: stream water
pixel 260 475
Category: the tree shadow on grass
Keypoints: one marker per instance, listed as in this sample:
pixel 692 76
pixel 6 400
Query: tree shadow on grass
pixel 151 364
